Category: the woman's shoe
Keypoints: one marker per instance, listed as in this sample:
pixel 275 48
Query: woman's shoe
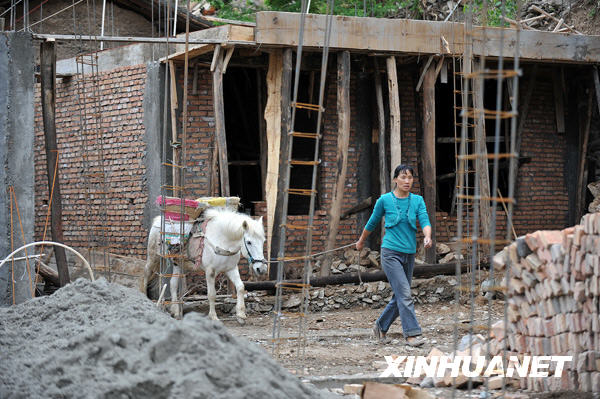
pixel 380 335
pixel 415 341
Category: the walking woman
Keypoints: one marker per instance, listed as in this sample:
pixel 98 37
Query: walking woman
pixel 401 210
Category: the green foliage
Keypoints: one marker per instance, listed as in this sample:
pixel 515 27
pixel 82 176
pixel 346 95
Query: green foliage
pixel 231 9
pixel 492 15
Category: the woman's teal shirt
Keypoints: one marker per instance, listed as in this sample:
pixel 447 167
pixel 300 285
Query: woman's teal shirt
pixel 401 216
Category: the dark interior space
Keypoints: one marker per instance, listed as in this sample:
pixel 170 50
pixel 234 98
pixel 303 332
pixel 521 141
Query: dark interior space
pixel 304 148
pixel 448 121
pixel 243 136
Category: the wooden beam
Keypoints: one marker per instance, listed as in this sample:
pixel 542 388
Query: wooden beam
pixel 596 86
pixel 423 37
pixel 559 107
pixel 174 139
pixel 286 116
pixel 582 170
pixel 272 118
pixel 419 271
pixel 481 162
pixel 228 55
pixel 219 109
pixel 48 94
pixel 195 80
pixel 395 116
pixel 216 56
pixel 428 157
pixel 384 176
pixel 193 51
pixel 523 112
pixel 343 141
pixel 262 132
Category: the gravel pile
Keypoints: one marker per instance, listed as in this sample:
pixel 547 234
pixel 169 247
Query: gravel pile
pixel 102 340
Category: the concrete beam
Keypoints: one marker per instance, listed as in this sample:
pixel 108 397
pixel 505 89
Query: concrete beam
pixel 16 156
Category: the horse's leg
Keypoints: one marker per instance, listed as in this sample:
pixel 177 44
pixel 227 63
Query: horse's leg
pixel 175 306
pixel 212 293
pixel 149 269
pixel 240 309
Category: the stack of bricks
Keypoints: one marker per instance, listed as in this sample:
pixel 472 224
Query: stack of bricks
pixel 553 303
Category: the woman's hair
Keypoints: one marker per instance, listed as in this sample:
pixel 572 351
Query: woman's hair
pixel 403 168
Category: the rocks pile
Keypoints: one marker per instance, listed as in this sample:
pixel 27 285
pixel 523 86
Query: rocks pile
pixel 353 261
pixel 594 188
pixel 553 302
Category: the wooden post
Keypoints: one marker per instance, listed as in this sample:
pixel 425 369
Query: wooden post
pixel 395 116
pixel 596 86
pixel 481 162
pixel 48 88
pixel 559 107
pixel 343 110
pixel 428 156
pixel 174 106
pixel 220 124
pixel 581 173
pixel 384 176
pixel 286 116
pixel 262 133
pixel 523 112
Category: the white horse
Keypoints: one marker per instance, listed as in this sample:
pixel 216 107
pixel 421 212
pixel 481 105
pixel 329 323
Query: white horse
pixel 216 249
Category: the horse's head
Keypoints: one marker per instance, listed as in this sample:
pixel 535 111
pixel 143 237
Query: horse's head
pixel 252 248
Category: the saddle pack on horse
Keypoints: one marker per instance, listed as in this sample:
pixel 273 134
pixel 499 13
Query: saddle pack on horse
pixel 194 223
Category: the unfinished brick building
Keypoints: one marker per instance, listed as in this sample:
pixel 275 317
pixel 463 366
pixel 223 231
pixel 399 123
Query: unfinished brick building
pixel 553 95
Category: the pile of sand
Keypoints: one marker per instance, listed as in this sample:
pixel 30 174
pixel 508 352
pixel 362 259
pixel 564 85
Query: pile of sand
pixel 102 340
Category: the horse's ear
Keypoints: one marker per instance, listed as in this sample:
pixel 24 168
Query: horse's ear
pixel 245 225
pixel 260 220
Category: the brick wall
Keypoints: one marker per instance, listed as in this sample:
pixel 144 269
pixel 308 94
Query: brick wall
pixel 120 95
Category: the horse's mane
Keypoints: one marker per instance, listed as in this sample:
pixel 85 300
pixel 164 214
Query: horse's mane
pixel 231 223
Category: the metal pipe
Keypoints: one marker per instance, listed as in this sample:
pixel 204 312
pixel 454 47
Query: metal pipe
pixel 102 25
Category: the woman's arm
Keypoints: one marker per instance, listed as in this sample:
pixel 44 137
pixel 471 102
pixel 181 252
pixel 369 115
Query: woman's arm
pixel 378 212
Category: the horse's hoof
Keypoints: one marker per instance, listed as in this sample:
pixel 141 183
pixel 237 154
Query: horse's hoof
pixel 241 321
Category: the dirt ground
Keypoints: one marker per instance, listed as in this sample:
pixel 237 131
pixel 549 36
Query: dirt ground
pixel 341 343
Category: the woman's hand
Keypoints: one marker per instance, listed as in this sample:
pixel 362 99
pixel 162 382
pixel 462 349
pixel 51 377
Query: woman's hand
pixel 360 244
pixel 427 242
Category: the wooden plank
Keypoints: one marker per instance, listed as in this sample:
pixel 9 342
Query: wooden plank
pixel 174 139
pixel 395 116
pixel 195 81
pixel 384 176
pixel 596 86
pixel 422 37
pixel 215 57
pixel 428 156
pixel 419 271
pixel 358 33
pixel 523 112
pixel 272 118
pixel 219 109
pixel 537 45
pixel 284 149
pixel 582 170
pixel 228 55
pixel 193 51
pixel 559 101
pixel 262 132
pixel 481 163
pixel 48 94
pixel 343 141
